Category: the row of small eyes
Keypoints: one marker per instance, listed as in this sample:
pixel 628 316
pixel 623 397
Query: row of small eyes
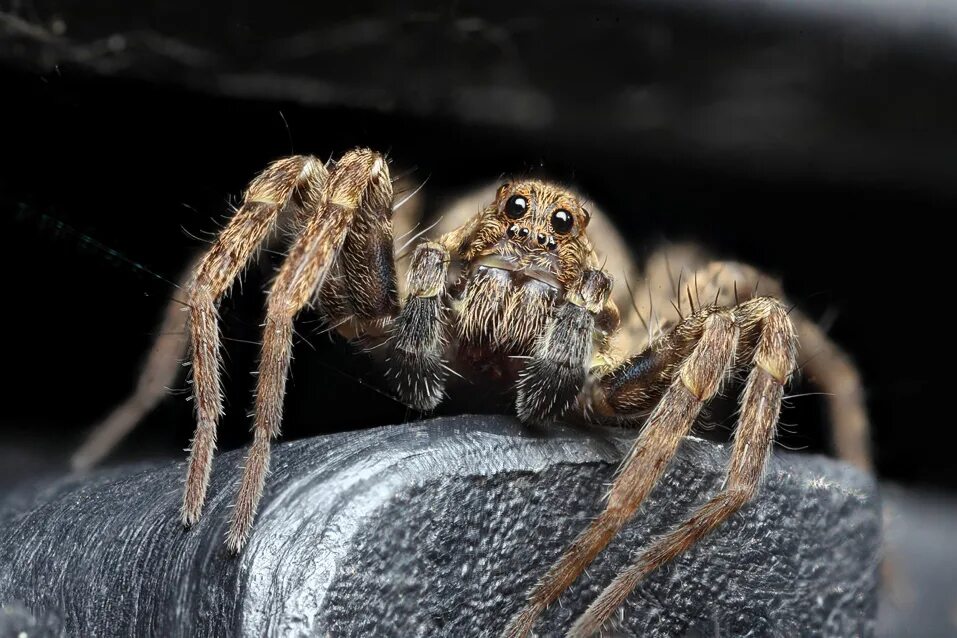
pixel 562 220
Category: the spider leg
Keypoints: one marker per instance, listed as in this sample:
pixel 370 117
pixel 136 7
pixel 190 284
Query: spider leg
pixel 831 369
pixel 695 380
pixel 283 183
pixel 360 295
pixel 358 186
pixel 416 368
pixel 822 361
pixel 773 362
pixel 159 372
pixel 556 373
pixel 272 193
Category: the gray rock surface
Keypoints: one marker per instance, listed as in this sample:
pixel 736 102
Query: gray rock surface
pixel 435 528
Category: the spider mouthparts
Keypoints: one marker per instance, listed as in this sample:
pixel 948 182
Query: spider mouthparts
pixel 511 265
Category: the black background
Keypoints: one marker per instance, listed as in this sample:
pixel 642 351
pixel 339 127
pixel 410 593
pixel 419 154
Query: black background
pixel 109 185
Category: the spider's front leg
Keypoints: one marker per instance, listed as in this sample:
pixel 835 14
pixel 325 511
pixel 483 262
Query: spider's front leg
pixel 674 378
pixel 347 224
pixel 289 182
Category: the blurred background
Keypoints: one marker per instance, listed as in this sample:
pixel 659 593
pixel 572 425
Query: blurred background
pixel 817 140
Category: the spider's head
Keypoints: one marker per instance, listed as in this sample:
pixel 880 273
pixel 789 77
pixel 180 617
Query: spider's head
pixel 536 227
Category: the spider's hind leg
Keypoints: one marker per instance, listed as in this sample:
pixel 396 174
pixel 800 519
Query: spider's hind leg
pixel 158 373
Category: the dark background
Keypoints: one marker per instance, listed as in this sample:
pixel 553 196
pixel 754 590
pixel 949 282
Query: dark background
pixel 818 146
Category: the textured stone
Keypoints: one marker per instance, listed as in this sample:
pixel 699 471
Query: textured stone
pixel 435 528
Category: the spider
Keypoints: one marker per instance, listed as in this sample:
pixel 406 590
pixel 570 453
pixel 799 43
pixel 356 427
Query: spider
pixel 517 292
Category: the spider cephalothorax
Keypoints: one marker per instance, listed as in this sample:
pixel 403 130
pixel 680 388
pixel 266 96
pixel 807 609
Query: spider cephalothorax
pixel 515 291
pixel 527 249
pixel 492 286
pixel 537 225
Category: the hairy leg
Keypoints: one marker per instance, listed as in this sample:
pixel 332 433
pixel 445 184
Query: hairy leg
pixel 831 369
pixel 163 363
pixel 238 244
pixel 680 276
pixel 694 381
pixel 159 373
pixel 822 362
pixel 358 186
pixel 773 361
pixel 284 183
pixel 417 369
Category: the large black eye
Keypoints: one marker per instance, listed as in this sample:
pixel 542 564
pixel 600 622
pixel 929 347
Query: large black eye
pixel 562 221
pixel 516 206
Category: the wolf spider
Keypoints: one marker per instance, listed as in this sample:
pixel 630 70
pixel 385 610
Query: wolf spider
pixel 518 292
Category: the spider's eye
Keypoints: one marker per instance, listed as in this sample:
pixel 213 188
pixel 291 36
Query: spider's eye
pixel 516 206
pixel 562 221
